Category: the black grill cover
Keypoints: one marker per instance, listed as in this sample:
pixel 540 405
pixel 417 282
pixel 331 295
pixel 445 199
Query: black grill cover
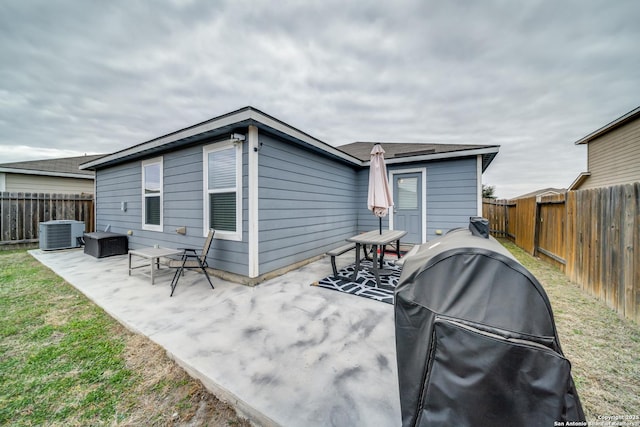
pixel 476 340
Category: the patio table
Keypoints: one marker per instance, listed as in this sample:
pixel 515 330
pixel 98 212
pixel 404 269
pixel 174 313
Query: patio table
pixel 153 255
pixel 376 240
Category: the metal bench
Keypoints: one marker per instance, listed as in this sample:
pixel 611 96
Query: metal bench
pixel 337 252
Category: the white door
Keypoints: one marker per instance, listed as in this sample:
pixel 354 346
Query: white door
pixel 407 209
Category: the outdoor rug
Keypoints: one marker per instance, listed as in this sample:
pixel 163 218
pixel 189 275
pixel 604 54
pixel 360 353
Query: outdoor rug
pixel 365 284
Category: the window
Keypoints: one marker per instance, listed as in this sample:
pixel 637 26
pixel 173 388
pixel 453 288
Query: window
pixel 152 194
pixel 223 190
pixel 408 193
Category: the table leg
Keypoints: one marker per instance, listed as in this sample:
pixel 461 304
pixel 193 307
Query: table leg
pixel 152 265
pixel 375 265
pixel 364 248
pixel 129 263
pixel 357 267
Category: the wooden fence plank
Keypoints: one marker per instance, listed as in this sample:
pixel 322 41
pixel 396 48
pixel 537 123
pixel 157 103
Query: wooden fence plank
pixel 570 237
pixel 525 226
pixel 13 213
pixel 551 229
pixel 5 220
pixel 626 284
pixel 632 263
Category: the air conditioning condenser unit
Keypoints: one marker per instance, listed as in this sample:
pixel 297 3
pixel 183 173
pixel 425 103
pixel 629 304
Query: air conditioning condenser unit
pixel 60 234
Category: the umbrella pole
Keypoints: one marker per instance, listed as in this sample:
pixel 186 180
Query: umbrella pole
pixel 380 224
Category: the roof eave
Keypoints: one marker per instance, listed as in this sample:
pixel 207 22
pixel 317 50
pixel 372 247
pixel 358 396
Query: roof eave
pixel 575 185
pixel 631 115
pixel 46 173
pixel 247 115
pixel 487 153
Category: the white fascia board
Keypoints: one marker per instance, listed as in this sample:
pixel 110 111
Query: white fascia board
pixel 438 156
pixel 45 173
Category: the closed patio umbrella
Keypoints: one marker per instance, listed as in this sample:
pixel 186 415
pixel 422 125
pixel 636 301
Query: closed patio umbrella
pixel 379 200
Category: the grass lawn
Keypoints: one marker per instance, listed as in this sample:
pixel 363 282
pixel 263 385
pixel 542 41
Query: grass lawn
pixel 604 349
pixel 64 361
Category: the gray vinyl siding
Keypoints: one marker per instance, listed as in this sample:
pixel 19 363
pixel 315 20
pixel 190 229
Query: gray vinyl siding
pixel 451 193
pixel 614 158
pixel 306 203
pixel 182 207
pixel 113 186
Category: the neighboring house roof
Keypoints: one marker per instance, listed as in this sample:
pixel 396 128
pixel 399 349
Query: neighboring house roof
pixel 612 156
pixel 67 167
pixel 541 192
pixel 631 115
pixel 399 152
pixel 579 180
pixel 228 124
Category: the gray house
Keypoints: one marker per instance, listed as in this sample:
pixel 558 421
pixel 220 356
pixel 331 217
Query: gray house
pixel 275 195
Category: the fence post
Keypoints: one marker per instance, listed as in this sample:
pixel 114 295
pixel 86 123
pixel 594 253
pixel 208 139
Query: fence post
pixel 536 228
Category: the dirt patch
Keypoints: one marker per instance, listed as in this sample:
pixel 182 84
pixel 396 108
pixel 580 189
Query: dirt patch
pixel 167 395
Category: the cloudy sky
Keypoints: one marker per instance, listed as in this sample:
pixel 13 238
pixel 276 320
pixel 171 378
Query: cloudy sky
pixel 533 76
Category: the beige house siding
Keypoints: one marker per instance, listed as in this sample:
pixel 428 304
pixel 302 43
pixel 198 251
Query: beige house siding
pixel 614 158
pixel 23 183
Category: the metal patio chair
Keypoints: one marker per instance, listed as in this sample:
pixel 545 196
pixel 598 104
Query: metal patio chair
pixel 190 259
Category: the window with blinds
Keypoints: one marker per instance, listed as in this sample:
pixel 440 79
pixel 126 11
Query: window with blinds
pixel 222 187
pixel 152 194
pixel 408 194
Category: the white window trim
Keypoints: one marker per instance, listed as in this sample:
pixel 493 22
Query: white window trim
pixel 221 234
pixel 153 227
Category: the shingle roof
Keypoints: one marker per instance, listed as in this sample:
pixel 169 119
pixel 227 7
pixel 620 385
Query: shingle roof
pixel 401 150
pixel 541 192
pixel 55 167
pixel 362 150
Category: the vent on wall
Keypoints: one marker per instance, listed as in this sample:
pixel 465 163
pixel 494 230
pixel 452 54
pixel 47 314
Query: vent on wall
pixel 61 234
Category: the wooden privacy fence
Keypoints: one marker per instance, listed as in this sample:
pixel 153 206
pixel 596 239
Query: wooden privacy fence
pixel 21 213
pixel 501 216
pixel 592 235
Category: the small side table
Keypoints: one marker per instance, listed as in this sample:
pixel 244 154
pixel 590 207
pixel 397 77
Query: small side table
pixel 153 255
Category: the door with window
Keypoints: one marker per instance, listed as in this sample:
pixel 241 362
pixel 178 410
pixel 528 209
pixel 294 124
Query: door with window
pixel 407 209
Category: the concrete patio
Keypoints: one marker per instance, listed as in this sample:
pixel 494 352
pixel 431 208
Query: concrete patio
pixel 283 352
